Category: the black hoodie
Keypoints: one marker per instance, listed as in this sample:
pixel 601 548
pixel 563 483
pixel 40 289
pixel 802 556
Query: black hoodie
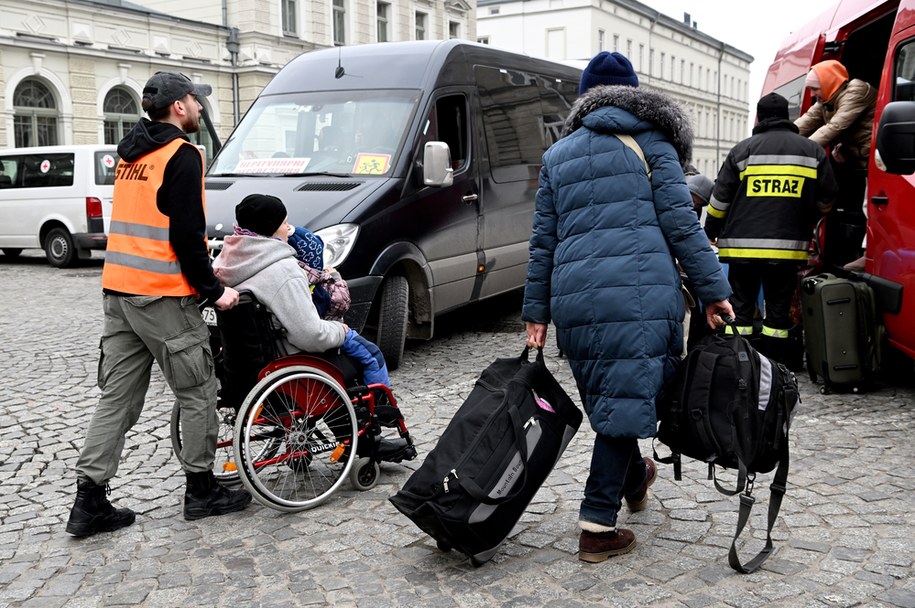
pixel 180 198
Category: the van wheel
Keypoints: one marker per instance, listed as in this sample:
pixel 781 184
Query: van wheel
pixel 11 252
pixel 59 248
pixel 392 319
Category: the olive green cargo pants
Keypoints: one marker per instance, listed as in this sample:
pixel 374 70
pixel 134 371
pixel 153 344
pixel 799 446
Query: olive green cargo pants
pixel 138 330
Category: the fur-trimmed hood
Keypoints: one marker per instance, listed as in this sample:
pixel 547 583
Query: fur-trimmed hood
pixel 605 109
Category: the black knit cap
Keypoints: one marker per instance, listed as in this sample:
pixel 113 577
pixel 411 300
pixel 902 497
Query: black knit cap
pixel 607 68
pixel 260 213
pixel 772 105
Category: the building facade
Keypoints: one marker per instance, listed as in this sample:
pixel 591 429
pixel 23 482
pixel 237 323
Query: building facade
pixel 709 77
pixel 72 71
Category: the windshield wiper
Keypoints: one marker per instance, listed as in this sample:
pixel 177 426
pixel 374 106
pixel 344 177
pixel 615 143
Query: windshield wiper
pixel 243 174
pixel 310 173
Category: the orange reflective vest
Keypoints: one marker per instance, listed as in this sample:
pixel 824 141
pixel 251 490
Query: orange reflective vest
pixel 140 258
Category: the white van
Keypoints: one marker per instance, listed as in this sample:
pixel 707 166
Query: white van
pixel 56 198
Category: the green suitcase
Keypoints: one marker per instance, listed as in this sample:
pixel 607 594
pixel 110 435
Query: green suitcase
pixel 841 333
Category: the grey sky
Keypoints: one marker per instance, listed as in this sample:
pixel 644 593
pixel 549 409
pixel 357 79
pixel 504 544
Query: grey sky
pixel 757 28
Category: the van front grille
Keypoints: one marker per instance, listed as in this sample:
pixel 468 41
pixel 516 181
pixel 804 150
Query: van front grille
pixel 328 186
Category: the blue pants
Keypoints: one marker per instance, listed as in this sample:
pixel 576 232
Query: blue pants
pixel 617 469
pixel 374 368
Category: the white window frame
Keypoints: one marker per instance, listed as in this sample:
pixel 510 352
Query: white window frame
pixel 383 21
pixel 338 10
pixel 420 25
pixel 289 24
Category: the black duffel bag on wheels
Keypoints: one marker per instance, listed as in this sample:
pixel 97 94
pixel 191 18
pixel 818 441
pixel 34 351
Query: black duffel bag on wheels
pixel 492 458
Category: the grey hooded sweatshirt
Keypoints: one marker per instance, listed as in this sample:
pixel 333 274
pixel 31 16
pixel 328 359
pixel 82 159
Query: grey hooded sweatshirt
pixel 267 268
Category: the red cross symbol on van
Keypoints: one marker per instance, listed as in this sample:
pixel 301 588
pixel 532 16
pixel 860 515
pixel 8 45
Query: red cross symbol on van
pixel 108 160
pixel 45 166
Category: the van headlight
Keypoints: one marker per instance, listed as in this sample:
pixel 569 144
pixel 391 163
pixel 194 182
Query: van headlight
pixel 338 242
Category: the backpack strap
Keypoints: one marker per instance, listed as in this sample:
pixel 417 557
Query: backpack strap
pixel 776 493
pixel 743 398
pixel 629 142
pixel 776 490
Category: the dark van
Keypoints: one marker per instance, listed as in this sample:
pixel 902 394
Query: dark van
pixel 416 162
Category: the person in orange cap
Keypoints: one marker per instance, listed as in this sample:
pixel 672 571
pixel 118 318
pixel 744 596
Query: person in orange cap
pixel 843 119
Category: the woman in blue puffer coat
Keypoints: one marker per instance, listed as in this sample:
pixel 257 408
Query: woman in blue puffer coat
pixel 602 268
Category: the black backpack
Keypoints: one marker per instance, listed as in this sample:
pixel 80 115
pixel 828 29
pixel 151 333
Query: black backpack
pixel 731 406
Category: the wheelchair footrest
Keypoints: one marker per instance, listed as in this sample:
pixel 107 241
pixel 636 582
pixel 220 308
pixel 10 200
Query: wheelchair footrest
pixel 395 450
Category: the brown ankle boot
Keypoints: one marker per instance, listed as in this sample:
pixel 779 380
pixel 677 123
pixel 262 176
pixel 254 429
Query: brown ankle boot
pixel 638 500
pixel 595 547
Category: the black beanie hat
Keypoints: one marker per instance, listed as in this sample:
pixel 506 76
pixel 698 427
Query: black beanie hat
pixel 260 213
pixel 772 105
pixel 608 68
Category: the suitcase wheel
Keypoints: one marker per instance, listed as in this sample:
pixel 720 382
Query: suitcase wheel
pixel 443 546
pixel 476 563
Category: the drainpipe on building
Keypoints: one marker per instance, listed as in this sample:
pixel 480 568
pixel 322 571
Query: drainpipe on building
pixel 718 109
pixel 654 21
pixel 233 46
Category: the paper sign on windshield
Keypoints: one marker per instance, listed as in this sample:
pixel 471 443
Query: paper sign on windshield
pixel 371 164
pixel 272 165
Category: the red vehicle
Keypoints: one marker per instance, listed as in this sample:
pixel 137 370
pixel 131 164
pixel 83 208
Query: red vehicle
pixel 876 41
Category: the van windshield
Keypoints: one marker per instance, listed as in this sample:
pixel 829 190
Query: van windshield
pixel 339 133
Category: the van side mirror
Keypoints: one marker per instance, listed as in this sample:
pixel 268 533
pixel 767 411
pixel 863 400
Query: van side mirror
pixel 437 169
pixel 896 137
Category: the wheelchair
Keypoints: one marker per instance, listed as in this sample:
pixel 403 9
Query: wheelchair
pixel 293 428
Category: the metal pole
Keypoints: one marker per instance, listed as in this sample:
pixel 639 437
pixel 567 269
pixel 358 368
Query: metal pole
pixel 232 46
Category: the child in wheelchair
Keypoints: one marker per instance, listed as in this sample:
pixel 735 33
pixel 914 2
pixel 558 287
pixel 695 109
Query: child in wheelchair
pixel 315 381
pixel 329 291
pixel 258 259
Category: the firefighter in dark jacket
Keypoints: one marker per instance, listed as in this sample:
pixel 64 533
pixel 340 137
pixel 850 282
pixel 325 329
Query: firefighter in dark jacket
pixel 767 198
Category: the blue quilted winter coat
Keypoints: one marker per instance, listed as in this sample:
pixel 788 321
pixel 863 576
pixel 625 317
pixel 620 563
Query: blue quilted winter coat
pixel 602 253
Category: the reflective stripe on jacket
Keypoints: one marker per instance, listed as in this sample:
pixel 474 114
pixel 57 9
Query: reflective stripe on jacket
pixel 140 258
pixel 768 194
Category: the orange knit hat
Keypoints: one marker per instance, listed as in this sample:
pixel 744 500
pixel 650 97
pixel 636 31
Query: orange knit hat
pixel 832 76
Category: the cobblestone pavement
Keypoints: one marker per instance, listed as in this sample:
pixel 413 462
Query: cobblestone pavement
pixel 845 536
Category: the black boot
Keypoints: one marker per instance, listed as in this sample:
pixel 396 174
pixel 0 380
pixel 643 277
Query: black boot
pixel 204 497
pixel 92 513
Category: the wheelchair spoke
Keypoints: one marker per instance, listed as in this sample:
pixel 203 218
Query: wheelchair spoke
pixel 297 438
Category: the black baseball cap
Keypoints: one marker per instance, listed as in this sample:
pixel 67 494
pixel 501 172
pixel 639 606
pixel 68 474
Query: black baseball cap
pixel 164 88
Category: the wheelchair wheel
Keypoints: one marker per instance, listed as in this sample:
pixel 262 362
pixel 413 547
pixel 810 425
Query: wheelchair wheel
pixel 224 466
pixel 364 474
pixel 295 438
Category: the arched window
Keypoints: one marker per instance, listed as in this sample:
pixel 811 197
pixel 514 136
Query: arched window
pixel 121 114
pixel 34 115
pixel 202 137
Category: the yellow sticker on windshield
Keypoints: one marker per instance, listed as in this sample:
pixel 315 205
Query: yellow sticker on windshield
pixel 372 164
